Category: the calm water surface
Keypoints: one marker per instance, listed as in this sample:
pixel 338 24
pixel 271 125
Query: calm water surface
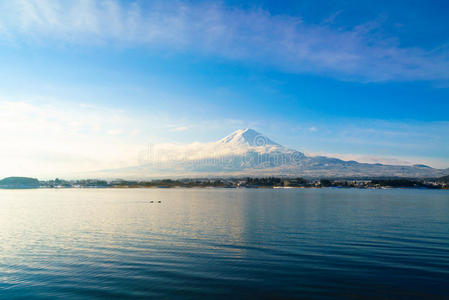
pixel 224 243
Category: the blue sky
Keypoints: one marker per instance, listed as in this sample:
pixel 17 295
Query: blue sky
pixel 356 79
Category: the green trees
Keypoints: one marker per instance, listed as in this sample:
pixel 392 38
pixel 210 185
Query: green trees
pixel 19 183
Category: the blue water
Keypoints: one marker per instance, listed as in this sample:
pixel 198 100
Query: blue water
pixel 224 244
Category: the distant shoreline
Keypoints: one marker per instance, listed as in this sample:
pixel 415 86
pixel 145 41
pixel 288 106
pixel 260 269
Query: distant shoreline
pixel 219 187
pixel 249 182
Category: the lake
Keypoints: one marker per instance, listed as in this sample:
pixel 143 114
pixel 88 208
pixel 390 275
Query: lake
pixel 224 243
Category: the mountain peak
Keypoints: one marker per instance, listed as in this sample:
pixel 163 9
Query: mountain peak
pixel 248 137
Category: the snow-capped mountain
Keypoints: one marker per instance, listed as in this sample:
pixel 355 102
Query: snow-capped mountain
pixel 246 152
pixel 247 137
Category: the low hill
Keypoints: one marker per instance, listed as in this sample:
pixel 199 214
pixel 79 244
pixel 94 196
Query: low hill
pixel 19 183
pixel 444 179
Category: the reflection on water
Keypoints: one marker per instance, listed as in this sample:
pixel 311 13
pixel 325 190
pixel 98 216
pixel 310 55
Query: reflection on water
pixel 217 243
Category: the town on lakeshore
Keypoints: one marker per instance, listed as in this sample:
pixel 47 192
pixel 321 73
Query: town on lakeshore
pixel 248 182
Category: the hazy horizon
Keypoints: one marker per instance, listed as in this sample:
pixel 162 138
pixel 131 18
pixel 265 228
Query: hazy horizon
pixel 245 153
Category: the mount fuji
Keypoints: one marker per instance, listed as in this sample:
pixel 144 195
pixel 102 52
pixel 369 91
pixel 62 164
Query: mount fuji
pixel 246 152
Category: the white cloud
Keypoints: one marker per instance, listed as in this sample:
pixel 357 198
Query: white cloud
pixel 115 131
pixel 135 132
pixel 181 128
pixel 213 29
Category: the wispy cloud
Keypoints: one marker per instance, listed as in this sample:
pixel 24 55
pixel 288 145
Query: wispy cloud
pixel 180 128
pixel 115 131
pixel 255 36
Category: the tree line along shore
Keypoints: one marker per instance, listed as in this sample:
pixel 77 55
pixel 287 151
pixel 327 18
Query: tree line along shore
pixel 247 182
